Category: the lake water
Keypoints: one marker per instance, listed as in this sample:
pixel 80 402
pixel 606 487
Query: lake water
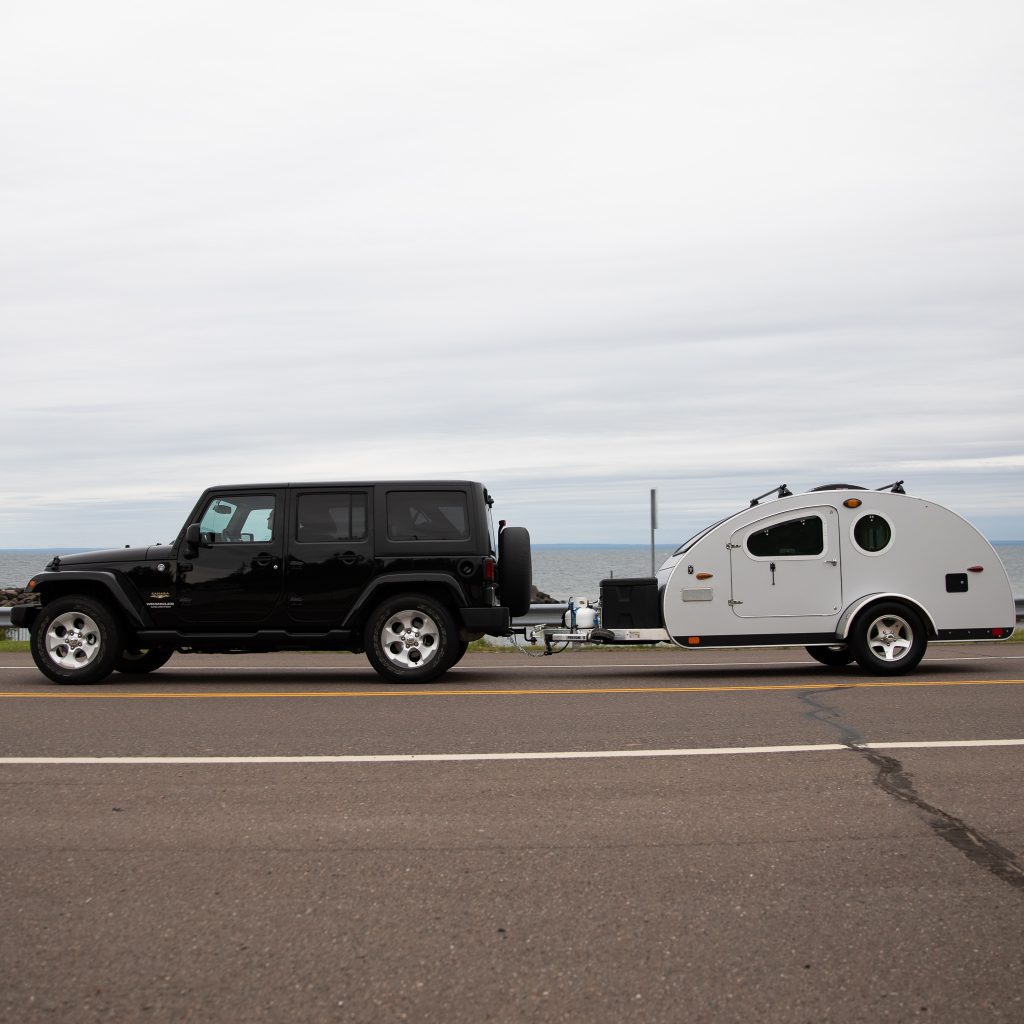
pixel 563 571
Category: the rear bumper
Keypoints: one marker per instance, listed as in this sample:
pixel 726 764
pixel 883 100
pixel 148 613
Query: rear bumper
pixel 492 621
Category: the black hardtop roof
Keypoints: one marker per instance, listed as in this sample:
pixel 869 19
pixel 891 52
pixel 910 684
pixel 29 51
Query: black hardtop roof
pixel 419 485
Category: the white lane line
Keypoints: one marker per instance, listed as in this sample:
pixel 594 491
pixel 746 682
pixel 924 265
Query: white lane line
pixel 543 755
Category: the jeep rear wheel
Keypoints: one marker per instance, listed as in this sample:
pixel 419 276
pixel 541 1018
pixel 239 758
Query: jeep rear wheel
pixel 76 640
pixel 411 639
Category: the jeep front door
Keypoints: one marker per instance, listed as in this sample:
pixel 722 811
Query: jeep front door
pixel 234 578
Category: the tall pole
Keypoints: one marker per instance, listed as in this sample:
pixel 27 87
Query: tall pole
pixel 654 523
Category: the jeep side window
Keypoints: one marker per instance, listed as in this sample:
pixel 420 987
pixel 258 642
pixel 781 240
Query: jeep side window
pixel 796 537
pixel 324 518
pixel 427 515
pixel 238 519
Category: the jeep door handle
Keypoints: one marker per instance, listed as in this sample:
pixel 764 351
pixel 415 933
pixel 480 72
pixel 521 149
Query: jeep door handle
pixel 263 561
pixel 349 558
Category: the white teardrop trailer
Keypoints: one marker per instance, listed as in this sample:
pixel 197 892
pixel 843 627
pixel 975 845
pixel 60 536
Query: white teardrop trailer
pixel 850 574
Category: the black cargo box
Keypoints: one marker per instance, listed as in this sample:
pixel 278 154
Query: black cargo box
pixel 630 603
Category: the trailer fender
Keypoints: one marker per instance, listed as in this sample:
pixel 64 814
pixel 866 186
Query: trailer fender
pixel 853 610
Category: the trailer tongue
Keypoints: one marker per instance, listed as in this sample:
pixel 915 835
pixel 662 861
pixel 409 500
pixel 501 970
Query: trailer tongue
pixel 848 573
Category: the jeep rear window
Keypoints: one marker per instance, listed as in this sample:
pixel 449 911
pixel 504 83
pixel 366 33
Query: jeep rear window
pixel 427 515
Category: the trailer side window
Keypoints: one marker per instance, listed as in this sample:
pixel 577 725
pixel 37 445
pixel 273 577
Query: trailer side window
pixel 872 533
pixel 795 538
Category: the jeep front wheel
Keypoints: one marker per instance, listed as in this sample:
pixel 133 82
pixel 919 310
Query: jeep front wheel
pixel 76 640
pixel 410 639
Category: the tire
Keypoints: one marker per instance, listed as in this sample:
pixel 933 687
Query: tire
pixel 515 570
pixel 139 661
pixel 834 656
pixel 461 647
pixel 888 639
pixel 76 640
pixel 411 639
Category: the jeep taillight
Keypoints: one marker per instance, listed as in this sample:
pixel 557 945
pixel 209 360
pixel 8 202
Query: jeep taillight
pixel 490 570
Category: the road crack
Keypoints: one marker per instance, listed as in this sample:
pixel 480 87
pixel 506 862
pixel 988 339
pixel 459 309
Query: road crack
pixel 895 781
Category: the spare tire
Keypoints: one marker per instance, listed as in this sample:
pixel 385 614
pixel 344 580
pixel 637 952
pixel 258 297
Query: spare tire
pixel 515 570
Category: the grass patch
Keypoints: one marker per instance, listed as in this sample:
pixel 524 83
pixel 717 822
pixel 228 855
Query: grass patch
pixel 14 646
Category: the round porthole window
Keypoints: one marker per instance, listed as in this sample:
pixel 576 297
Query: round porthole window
pixel 872 533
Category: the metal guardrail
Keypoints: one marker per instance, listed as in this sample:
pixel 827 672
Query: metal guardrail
pixel 541 615
pixel 538 615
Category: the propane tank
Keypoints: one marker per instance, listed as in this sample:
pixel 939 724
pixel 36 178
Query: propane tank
pixel 581 615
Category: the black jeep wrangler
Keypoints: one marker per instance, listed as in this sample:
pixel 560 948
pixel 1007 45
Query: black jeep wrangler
pixel 408 572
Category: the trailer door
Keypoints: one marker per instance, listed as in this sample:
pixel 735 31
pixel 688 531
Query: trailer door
pixel 787 564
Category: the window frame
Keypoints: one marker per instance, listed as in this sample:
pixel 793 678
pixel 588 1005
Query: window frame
pixel 351 492
pixel 405 494
pixel 790 558
pixel 863 513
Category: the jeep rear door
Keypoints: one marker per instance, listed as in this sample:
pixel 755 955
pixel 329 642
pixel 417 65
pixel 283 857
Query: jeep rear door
pixel 330 553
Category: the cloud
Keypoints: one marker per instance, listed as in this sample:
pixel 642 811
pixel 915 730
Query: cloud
pixel 573 250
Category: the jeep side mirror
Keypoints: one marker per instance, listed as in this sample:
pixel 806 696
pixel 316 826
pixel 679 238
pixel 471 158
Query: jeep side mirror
pixel 192 540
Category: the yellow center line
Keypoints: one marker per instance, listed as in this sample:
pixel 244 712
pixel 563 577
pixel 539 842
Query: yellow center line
pixel 546 692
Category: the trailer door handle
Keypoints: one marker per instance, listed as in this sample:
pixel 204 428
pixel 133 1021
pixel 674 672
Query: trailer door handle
pixel 831 561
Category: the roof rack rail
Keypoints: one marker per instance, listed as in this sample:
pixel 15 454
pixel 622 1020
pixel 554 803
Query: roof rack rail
pixel 782 491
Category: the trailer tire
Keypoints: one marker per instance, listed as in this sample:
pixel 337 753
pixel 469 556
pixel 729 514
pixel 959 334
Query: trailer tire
pixel 515 570
pixel 888 639
pixel 835 656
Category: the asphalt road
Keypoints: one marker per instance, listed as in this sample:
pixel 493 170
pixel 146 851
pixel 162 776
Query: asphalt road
pixel 252 839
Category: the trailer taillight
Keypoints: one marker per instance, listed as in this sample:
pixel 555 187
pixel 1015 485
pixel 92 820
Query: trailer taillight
pixel 490 570
pixel 975 568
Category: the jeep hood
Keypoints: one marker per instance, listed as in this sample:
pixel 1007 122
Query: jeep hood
pixel 85 558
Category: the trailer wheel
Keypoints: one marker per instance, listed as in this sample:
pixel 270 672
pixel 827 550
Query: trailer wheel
pixel 515 570
pixel 834 656
pixel 888 639
pixel 75 640
pixel 411 639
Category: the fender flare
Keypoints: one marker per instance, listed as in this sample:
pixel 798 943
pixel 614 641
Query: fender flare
pixel 856 607
pixel 59 584
pixel 409 580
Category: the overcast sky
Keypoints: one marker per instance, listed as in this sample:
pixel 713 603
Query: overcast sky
pixel 573 249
